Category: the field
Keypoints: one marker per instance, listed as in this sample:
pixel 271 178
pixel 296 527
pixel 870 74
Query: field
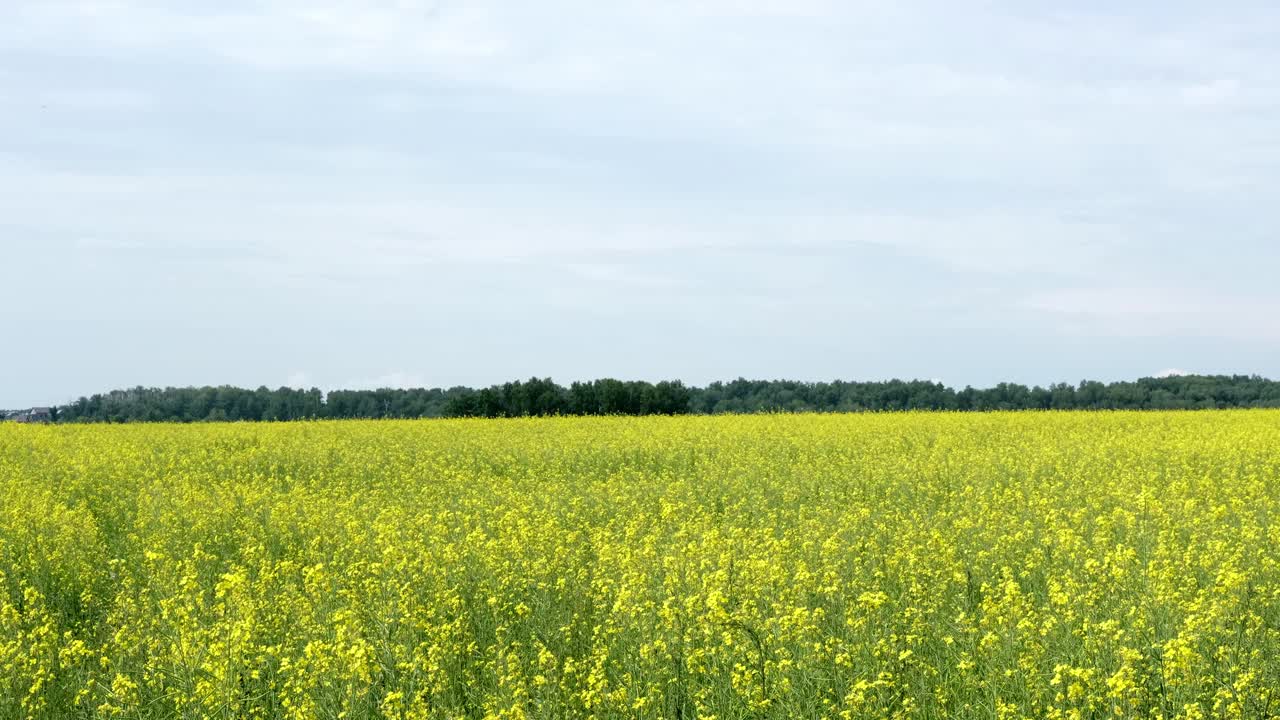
pixel 1076 565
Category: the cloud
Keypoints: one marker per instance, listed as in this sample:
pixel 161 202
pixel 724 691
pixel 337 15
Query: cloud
pixel 299 379
pixel 393 379
pixel 1159 312
pixel 888 102
pixel 718 174
pixel 1172 372
pixel 1217 91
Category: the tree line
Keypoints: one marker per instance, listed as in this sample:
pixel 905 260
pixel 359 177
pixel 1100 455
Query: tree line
pixel 542 396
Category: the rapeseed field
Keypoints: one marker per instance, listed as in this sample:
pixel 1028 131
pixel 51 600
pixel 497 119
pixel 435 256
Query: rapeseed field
pixel 1033 565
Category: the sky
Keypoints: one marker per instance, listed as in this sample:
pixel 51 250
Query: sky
pixel 441 192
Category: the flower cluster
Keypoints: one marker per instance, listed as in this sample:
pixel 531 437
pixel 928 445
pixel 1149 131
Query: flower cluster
pixel 1009 565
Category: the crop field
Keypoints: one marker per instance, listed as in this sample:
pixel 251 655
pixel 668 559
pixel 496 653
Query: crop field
pixel 1017 565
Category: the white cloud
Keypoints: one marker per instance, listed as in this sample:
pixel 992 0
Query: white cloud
pixel 1097 171
pixel 1214 92
pixel 1159 312
pixel 1172 372
pixel 393 379
pixel 299 379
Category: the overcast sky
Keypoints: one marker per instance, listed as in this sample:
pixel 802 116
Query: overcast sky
pixel 357 194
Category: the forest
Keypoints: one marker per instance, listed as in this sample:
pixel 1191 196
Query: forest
pixel 543 396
